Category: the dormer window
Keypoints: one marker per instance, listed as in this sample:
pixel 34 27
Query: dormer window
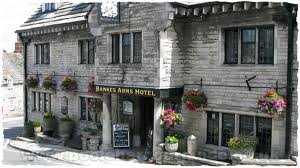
pixel 47 7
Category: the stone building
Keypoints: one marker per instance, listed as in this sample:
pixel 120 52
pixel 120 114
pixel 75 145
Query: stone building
pixel 142 55
pixel 12 84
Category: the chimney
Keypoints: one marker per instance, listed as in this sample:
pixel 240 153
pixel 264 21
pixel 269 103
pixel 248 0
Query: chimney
pixel 18 46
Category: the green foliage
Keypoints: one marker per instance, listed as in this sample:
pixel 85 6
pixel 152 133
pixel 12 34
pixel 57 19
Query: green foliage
pixel 48 115
pixel 36 124
pixel 86 129
pixel 171 139
pixel 66 118
pixel 242 142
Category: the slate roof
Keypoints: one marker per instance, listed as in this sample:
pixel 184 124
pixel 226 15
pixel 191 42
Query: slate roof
pixel 65 13
pixel 13 65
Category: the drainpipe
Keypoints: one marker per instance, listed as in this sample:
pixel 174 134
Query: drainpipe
pixel 289 85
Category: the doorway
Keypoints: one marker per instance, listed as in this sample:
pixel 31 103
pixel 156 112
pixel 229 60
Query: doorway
pixel 147 115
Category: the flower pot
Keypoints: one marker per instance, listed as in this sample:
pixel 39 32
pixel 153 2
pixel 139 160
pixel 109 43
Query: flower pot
pixel 171 147
pixel 65 128
pixel 248 153
pixel 182 145
pixel 49 124
pixel 37 129
pixel 28 130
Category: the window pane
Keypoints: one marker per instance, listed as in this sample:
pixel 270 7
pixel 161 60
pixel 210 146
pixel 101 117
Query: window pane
pixel 34 101
pixel 46 53
pixel 91 52
pixel 137 47
pixel 212 128
pixel 115 48
pixel 246 125
pixel 266 46
pixel 248 46
pixel 89 110
pixel 40 101
pixel 83 108
pixel 264 134
pixel 126 48
pixel 42 54
pixel 83 51
pixel 37 53
pixel 64 105
pixel 231 46
pixel 227 128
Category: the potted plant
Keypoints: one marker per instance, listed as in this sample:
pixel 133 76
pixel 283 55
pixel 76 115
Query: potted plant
pixel 272 104
pixel 49 83
pixel 49 122
pixel 171 143
pixel 32 81
pixel 28 129
pixel 244 145
pixel 65 126
pixel 169 118
pixel 86 132
pixel 194 99
pixel 37 126
pixel 68 84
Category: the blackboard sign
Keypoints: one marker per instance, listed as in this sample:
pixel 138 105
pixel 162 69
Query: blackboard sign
pixel 121 135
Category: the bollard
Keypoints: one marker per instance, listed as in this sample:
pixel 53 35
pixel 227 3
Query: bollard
pixel 192 145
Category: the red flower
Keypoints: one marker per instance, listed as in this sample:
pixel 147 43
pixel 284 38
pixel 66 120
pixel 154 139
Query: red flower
pixel 269 92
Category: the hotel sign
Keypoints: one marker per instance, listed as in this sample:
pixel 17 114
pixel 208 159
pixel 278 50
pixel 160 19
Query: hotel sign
pixel 127 90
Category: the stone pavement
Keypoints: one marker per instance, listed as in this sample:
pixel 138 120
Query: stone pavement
pixel 122 157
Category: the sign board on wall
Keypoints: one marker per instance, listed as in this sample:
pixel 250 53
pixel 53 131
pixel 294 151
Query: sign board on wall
pixel 127 107
pixel 126 90
pixel 121 135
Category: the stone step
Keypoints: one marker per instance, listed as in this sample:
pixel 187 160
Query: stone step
pixel 26 139
pixel 48 140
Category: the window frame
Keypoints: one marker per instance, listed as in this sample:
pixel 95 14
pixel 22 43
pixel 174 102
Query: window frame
pixel 39 53
pixel 81 42
pixel 39 101
pixel 120 61
pixel 239 39
pixel 87 112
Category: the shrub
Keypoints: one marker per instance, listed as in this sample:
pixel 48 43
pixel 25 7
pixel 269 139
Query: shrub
pixel 242 142
pixel 66 118
pixel 171 139
pixel 48 115
pixel 49 83
pixel 68 84
pixel 86 129
pixel 36 124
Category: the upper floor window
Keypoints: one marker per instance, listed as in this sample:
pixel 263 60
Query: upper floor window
pixel 46 7
pixel 130 45
pixel 254 45
pixel 42 53
pixel 87 51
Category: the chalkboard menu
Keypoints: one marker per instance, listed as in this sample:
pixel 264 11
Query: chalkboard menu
pixel 121 135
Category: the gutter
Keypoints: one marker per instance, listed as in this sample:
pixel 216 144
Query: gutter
pixel 289 86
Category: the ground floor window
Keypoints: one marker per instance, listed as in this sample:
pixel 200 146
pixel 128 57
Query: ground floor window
pixel 90 109
pixel 41 101
pixel 260 127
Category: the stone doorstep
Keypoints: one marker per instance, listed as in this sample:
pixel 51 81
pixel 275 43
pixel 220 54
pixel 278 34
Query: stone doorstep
pixel 264 162
pixel 294 158
pixel 197 159
pixel 46 138
pixel 26 139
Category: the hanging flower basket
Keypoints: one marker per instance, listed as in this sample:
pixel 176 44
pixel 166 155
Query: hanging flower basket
pixel 32 81
pixel 169 118
pixel 49 83
pixel 195 99
pixel 91 88
pixel 272 103
pixel 68 84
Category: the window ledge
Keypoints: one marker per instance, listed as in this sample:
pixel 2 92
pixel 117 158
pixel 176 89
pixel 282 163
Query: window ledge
pixel 249 65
